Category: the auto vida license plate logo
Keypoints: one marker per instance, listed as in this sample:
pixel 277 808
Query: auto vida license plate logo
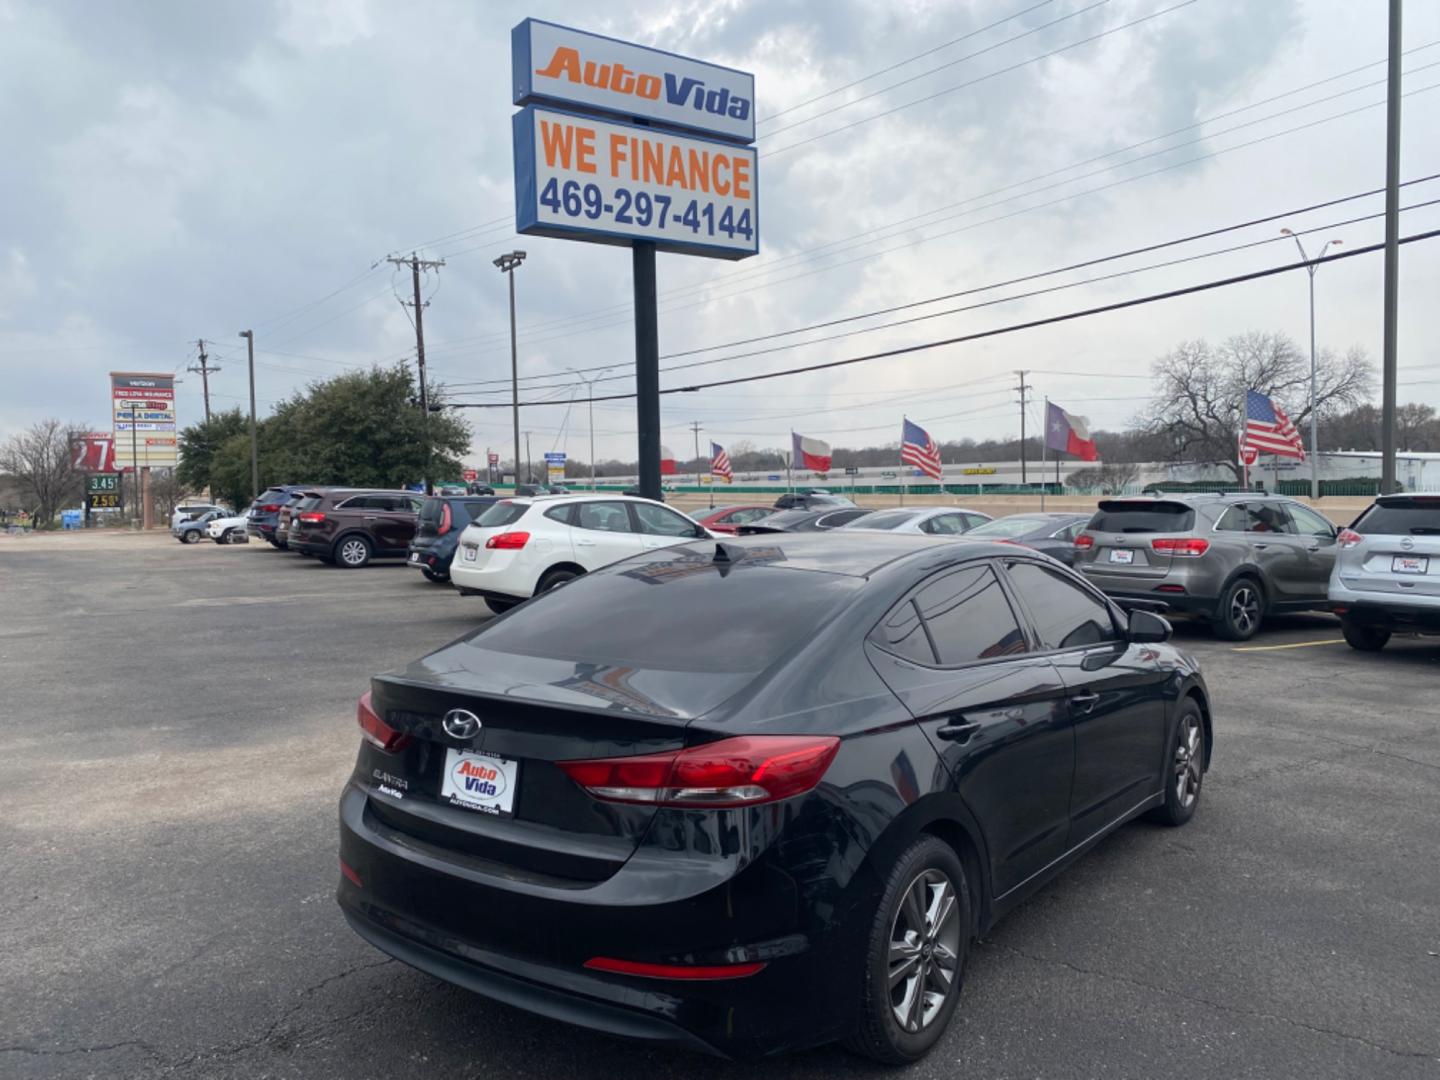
pixel 461 724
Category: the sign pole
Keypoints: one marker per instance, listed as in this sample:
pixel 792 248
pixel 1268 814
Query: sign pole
pixel 647 367
pixel 1044 448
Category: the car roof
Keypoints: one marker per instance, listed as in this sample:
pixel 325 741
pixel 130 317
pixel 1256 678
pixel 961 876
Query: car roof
pixel 588 496
pixel 854 554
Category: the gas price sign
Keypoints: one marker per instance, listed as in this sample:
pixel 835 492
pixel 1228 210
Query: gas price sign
pixel 607 181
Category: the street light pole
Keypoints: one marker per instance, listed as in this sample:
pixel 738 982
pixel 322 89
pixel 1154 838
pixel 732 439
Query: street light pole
pixel 590 393
pixel 1310 267
pixel 249 336
pixel 507 265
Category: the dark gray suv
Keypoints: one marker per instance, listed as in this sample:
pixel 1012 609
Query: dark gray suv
pixel 1231 559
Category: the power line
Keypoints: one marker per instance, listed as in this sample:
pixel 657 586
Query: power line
pixel 979 335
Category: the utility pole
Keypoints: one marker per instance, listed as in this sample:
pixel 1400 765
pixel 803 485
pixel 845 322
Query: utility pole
pixel 1311 265
pixel 695 427
pixel 249 336
pixel 590 393
pixel 1392 256
pixel 1024 389
pixel 507 265
pixel 529 472
pixel 204 370
pixel 417 264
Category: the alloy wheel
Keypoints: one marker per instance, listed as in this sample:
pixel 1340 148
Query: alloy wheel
pixel 1245 609
pixel 352 552
pixel 1189 761
pixel 924 950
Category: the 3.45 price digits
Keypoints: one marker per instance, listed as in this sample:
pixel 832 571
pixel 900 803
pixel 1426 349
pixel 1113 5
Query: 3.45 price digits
pixel 643 209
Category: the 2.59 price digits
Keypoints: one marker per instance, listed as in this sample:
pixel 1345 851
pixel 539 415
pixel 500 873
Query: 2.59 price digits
pixel 641 208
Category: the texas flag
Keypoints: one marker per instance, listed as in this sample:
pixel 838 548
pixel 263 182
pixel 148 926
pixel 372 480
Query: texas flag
pixel 668 465
pixel 810 453
pixel 1068 433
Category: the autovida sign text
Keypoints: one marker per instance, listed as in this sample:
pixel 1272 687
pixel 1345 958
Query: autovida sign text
pixel 618 143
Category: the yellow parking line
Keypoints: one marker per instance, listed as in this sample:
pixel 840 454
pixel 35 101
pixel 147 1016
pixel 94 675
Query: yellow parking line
pixel 1296 645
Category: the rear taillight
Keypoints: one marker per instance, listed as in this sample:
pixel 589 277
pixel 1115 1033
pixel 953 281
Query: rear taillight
pixel 1084 540
pixel 693 972
pixel 270 508
pixel 312 517
pixel 1349 538
pixel 732 772
pixel 445 519
pixel 1189 547
pixel 378 733
pixel 510 541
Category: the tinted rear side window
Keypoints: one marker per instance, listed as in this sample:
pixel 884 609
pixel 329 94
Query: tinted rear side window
pixel 648 611
pixel 308 503
pixel 501 514
pixel 969 617
pixel 1143 518
pixel 1418 518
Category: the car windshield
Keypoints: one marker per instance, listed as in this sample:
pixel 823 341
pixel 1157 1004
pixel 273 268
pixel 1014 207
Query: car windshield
pixel 502 514
pixel 885 519
pixel 1142 517
pixel 1013 526
pixel 648 609
pixel 1409 517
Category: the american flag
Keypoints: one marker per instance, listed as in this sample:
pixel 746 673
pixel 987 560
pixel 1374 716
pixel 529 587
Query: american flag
pixel 719 462
pixel 918 449
pixel 1268 429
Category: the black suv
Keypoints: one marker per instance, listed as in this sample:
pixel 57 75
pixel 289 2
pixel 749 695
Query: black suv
pixel 442 519
pixel 349 528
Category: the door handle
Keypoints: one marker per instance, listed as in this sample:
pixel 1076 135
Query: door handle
pixel 369 517
pixel 584 543
pixel 1313 547
pixel 1261 547
pixel 1083 703
pixel 960 732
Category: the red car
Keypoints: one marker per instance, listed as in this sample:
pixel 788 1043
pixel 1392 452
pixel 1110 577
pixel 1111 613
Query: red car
pixel 726 519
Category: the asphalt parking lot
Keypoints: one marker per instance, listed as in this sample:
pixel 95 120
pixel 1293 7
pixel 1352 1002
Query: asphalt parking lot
pixel 176 724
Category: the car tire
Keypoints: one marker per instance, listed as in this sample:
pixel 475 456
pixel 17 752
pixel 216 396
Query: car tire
pixel 1242 608
pixel 553 578
pixel 191 537
pixel 439 578
pixel 909 922
pixel 499 607
pixel 352 552
pixel 1364 638
pixel 1184 769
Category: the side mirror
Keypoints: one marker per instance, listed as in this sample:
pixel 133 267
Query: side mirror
pixel 1146 628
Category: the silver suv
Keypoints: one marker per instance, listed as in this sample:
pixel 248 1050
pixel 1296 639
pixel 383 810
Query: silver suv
pixel 1387 572
pixel 1231 559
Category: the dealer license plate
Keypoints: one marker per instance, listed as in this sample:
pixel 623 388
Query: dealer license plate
pixel 1410 564
pixel 479 781
pixel 1123 556
pixel 470 554
pixel 415 556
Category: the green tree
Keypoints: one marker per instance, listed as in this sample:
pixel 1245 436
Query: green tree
pixel 199 444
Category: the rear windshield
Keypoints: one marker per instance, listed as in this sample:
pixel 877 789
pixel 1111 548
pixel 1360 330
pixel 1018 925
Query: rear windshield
pixel 501 514
pixel 430 512
pixel 309 502
pixel 648 609
pixel 883 520
pixel 1142 518
pixel 1418 517
pixel 1011 527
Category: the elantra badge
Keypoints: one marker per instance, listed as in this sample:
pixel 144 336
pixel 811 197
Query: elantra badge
pixel 461 724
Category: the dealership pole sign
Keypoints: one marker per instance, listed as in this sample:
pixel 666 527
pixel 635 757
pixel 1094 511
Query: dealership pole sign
pixel 617 143
pixel 143 405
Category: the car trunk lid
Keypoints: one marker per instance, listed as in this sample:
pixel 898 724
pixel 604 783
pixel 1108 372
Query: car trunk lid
pixel 1399 549
pixel 1124 532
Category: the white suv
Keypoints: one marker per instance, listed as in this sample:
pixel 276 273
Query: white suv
pixel 523 546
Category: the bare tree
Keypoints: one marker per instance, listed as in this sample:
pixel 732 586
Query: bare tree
pixel 1198 407
pixel 1111 478
pixel 42 460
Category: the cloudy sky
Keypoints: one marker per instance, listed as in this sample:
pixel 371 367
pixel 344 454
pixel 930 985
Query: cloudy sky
pixel 179 170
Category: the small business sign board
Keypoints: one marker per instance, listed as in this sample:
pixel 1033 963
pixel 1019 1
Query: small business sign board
pixel 555 466
pixel 609 182
pixel 598 74
pixel 143 404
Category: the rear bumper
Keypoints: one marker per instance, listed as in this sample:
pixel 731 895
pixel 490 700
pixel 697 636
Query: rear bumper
pixel 1390 612
pixel 260 530
pixel 525 943
pixel 1185 603
pixel 434 559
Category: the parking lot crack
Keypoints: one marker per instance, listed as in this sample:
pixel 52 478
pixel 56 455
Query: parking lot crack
pixel 1254 1014
pixel 99 1048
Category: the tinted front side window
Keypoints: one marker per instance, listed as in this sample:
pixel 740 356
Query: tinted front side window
pixel 658 521
pixel 1065 616
pixel 740 517
pixel 1309 523
pixel 969 617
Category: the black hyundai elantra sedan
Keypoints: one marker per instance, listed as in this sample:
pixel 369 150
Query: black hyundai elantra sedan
pixel 756 795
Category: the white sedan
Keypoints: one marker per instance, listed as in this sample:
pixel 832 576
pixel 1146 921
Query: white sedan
pixel 935 520
pixel 228 530
pixel 523 546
